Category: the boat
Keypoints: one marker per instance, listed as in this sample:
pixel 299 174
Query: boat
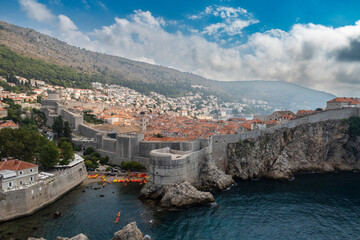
pixel 117 218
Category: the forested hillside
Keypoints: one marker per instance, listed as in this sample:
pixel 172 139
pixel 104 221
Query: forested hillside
pixel 12 63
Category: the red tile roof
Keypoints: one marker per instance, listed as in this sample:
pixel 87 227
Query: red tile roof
pixel 15 165
pixel 345 99
pixel 8 124
pixel 302 112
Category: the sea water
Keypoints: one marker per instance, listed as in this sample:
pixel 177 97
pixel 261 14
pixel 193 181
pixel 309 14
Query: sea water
pixel 310 207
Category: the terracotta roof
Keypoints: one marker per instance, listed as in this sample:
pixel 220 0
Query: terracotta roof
pixel 117 128
pixel 304 112
pixel 345 99
pixel 8 124
pixel 15 165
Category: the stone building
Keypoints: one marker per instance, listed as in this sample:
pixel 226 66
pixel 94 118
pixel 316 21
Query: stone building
pixel 277 116
pixel 16 173
pixel 3 112
pixel 342 102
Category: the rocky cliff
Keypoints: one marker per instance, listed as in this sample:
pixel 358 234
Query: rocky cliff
pixel 324 146
pixel 211 177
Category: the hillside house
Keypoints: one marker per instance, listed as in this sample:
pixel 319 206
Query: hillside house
pixel 3 112
pixel 8 124
pixel 278 115
pixel 15 173
pixel 342 102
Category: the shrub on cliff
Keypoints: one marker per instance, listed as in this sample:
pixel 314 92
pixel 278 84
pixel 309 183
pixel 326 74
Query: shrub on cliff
pixel 354 126
pixel 132 166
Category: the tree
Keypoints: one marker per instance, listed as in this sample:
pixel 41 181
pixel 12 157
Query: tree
pixel 38 99
pixel 88 163
pixel 58 126
pixel 67 130
pixel 88 151
pixel 67 151
pixel 27 145
pixel 62 140
pixel 19 143
pixel 49 155
pixel 133 166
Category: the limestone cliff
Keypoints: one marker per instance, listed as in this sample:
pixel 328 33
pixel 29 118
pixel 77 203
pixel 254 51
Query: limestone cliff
pixel 211 177
pixel 322 147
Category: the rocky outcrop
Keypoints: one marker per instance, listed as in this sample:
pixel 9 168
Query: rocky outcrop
pixel 212 177
pixel 176 195
pixel 129 232
pixel 77 237
pixel 152 191
pixel 322 146
pixel 184 194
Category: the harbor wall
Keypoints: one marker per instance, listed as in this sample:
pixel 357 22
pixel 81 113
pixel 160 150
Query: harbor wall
pixel 22 202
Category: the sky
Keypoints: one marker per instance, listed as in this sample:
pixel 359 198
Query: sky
pixel 313 43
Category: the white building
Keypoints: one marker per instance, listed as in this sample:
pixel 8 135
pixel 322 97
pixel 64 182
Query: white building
pixel 16 173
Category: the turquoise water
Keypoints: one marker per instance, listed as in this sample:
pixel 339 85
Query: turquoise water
pixel 311 207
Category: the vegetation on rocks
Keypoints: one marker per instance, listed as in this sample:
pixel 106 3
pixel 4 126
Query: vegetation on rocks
pixel 132 166
pixel 93 158
pixel 354 126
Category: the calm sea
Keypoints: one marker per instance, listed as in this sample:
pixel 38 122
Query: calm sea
pixel 310 207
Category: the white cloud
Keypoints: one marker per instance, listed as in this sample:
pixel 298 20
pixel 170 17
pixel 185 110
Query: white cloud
pixel 221 11
pixel 305 55
pixel 146 19
pixel 86 5
pixel 68 31
pixel 102 5
pixel 316 56
pixel 36 10
pixel 231 21
pixel 233 28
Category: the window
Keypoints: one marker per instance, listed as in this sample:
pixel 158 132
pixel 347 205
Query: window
pixel 21 172
pixel 31 179
pixel 31 170
pixel 10 184
pixel 21 182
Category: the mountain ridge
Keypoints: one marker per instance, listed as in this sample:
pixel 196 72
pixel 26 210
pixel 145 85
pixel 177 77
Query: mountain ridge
pixel 30 43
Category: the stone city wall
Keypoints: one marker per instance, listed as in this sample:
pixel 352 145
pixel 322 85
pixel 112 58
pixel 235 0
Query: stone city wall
pixel 87 131
pixel 71 104
pixel 52 109
pixel 26 201
pixel 74 119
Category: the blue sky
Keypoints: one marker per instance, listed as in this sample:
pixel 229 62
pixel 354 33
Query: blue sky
pixel 313 43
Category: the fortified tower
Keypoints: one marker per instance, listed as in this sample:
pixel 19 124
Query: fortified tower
pixel 143 121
